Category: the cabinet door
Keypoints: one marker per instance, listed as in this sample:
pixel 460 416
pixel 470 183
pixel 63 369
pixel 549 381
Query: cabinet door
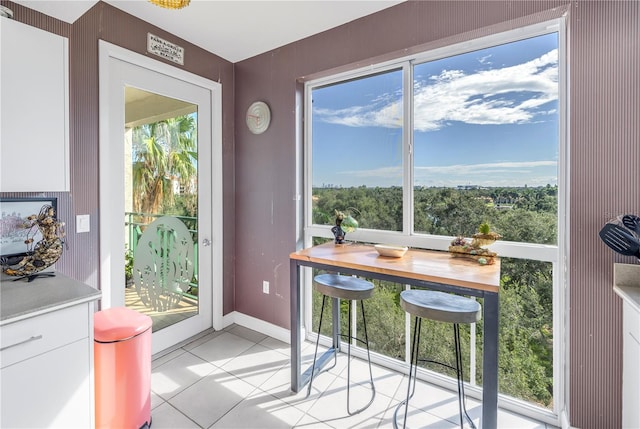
pixel 34 122
pixel 51 390
pixel 631 368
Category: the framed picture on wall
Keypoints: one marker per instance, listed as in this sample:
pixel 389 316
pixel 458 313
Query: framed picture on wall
pixel 13 217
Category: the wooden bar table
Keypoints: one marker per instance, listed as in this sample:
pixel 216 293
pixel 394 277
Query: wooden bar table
pixel 417 268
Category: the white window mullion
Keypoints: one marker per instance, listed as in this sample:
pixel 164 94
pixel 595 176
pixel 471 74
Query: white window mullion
pixel 308 150
pixel 407 145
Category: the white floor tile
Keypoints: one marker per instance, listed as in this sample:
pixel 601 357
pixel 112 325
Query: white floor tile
pixel 156 400
pixel 174 376
pixel 193 344
pixel 260 410
pixel 212 397
pixel 331 407
pixel 438 401
pixel 222 349
pixel 417 418
pixel 167 417
pixel 514 421
pixel 385 380
pixel 308 422
pixel 278 345
pixel 246 333
pixel 256 365
pixel 239 378
pixel 280 386
pixel 157 361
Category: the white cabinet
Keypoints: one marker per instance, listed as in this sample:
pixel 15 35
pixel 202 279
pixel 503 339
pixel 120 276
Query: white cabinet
pixel 46 370
pixel 34 114
pixel 626 283
pixel 631 367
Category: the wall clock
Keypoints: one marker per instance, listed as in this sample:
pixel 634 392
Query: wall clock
pixel 258 117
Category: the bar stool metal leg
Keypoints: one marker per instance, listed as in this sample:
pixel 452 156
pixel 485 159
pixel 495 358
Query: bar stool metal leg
pixel 350 337
pixel 366 342
pixel 462 400
pixel 413 370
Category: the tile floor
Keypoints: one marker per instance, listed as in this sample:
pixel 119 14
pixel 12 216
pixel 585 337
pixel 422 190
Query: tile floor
pixel 239 378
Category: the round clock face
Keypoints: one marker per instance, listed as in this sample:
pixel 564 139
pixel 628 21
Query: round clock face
pixel 258 117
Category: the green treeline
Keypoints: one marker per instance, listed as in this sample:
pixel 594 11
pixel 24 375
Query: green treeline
pixel 523 214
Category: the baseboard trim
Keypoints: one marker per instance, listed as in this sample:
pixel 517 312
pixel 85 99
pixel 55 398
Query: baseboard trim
pixel 274 331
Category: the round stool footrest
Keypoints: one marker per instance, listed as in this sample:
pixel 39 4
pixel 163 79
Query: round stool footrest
pixel 347 337
pixel 446 365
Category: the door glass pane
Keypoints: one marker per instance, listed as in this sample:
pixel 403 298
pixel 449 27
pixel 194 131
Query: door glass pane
pixel 161 207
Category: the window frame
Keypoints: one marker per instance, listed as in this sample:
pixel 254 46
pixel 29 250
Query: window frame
pixel 557 254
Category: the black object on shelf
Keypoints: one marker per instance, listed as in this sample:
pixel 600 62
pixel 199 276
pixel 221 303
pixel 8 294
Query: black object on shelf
pixel 31 277
pixel 632 222
pixel 621 238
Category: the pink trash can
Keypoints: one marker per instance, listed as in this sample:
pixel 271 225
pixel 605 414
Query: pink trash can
pixel 122 357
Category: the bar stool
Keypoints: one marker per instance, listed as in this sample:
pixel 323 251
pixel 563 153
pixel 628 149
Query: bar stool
pixel 352 289
pixel 442 307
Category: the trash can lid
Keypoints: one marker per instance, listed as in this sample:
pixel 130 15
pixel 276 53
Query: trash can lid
pixel 119 323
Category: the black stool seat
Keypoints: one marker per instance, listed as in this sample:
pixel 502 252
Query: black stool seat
pixel 440 306
pixel 343 287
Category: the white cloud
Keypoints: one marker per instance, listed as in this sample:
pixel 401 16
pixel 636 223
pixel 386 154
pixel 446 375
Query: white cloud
pixel 507 95
pixel 504 173
pixel 508 166
pixel 485 59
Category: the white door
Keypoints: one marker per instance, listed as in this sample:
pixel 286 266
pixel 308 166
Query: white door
pixel 142 103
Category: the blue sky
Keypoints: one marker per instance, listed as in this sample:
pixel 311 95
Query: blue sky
pixel 488 118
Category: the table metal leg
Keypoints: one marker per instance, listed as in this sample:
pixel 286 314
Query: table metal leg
pixel 335 314
pixel 490 362
pixel 298 378
pixel 296 324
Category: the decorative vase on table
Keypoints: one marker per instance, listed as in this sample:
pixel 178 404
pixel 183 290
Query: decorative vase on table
pixel 343 224
pixel 477 248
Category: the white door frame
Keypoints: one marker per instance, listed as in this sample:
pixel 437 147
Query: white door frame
pixel 111 245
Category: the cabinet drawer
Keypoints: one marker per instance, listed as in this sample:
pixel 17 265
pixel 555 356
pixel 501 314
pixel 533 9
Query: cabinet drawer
pixel 51 390
pixel 31 337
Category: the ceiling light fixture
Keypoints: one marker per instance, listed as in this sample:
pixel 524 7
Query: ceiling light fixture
pixel 171 4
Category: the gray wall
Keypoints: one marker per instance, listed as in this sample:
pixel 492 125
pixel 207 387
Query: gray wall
pixel 604 126
pixel 260 176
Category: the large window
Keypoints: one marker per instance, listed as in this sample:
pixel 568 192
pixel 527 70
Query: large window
pixel 423 150
pixel 357 126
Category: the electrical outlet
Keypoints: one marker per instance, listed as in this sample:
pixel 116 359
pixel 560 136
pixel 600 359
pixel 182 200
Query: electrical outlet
pixel 265 286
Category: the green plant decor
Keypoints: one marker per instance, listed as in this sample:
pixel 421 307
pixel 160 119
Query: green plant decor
pixel 128 267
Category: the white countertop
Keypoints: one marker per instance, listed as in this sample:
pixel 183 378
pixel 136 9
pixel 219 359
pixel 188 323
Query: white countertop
pixel 626 283
pixel 20 299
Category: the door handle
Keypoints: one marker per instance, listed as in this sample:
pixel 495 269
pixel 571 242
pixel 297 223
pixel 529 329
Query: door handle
pixel 206 242
pixel 28 340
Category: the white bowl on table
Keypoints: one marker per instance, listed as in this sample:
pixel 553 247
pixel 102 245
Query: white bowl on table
pixel 391 250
